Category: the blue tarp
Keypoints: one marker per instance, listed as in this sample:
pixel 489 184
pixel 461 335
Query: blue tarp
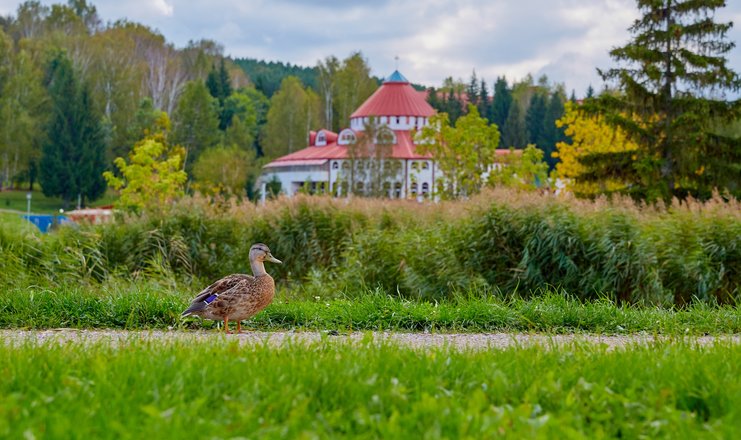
pixel 44 222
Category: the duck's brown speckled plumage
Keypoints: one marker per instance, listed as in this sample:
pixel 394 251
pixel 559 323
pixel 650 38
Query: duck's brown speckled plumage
pixel 237 297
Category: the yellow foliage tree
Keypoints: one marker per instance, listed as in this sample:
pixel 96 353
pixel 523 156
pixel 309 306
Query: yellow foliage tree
pixel 154 175
pixel 590 135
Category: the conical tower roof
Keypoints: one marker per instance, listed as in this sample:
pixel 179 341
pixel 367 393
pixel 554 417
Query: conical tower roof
pixel 395 97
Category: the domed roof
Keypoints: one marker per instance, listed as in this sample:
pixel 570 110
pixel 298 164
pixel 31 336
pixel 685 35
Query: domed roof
pixel 395 97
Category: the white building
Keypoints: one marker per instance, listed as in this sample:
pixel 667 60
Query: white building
pixel 331 163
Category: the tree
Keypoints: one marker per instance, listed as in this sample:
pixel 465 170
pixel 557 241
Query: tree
pixel 472 91
pixel 73 157
pixel 535 119
pixel 501 105
pixel 224 170
pixel 552 134
pixel 433 99
pixel 239 108
pixel 590 92
pixel 22 113
pixel 463 153
pixel 220 87
pixel 154 175
pixel 592 136
pixel 484 106
pixel 514 128
pixel 521 169
pixel 260 105
pixel 196 121
pixel 670 100
pixel 328 88
pixel 293 112
pixel 353 86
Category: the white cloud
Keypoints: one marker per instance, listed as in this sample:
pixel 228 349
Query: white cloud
pixel 163 7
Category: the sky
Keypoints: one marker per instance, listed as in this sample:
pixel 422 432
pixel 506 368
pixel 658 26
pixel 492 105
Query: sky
pixel 433 39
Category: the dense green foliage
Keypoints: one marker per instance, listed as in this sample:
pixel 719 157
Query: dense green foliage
pixel 190 388
pixel 672 79
pixel 501 240
pixel 268 75
pixel 73 155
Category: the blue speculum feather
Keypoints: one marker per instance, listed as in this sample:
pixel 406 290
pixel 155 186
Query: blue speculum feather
pixel 211 299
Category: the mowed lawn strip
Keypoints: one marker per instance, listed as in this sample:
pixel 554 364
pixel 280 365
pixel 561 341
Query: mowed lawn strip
pixel 219 389
pixel 153 306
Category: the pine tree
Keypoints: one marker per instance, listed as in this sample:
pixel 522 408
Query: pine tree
pixel 671 102
pixel 590 92
pixel 472 90
pixel 534 119
pixel 500 107
pixel 453 106
pixel 433 99
pixel 220 86
pixel 515 135
pixel 484 104
pixel 552 134
pixel 73 156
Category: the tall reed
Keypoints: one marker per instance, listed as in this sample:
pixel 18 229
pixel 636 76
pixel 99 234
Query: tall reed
pixel 501 241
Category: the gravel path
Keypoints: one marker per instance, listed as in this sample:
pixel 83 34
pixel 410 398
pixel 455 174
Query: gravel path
pixel 415 340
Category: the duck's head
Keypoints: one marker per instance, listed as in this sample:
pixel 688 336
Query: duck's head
pixel 260 252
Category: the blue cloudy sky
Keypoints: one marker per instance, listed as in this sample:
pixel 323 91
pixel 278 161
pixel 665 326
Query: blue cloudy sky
pixel 565 39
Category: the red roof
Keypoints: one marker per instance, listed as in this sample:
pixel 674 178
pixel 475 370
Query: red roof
pixel 395 99
pixel 403 149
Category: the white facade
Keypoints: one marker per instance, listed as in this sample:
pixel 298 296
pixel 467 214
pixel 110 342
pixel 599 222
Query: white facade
pixel 406 123
pixel 413 178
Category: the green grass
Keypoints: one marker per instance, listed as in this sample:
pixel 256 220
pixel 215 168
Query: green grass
pixel 220 389
pixel 157 306
pixel 15 224
pixel 40 204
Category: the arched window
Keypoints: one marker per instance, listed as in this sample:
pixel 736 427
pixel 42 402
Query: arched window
pixel 425 165
pixel 425 188
pixel 415 165
pixel 321 139
pixel 385 136
pixel 397 190
pixel 414 189
pixel 359 186
pixel 347 137
pixel 345 165
pixel 335 165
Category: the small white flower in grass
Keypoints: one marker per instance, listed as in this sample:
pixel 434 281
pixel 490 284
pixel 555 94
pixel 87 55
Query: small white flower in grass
pixel 394 381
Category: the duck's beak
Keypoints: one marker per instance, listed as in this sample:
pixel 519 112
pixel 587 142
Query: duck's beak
pixel 272 259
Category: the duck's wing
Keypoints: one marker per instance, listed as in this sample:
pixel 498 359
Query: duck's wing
pixel 218 288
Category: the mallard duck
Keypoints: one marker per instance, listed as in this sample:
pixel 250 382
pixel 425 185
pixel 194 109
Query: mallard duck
pixel 237 297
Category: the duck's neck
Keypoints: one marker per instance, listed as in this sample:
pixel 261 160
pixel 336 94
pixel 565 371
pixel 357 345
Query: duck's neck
pixel 258 268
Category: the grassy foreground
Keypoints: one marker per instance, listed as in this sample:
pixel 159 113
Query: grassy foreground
pixel 151 306
pixel 220 389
